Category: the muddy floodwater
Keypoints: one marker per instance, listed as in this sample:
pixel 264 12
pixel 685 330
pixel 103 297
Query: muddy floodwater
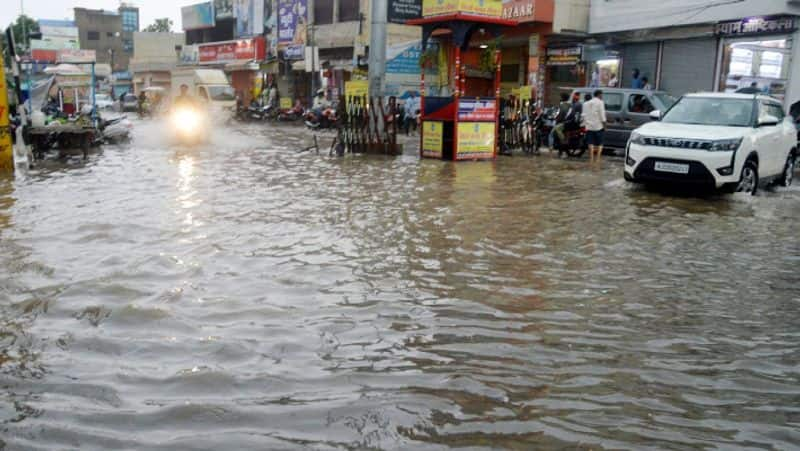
pixel 243 295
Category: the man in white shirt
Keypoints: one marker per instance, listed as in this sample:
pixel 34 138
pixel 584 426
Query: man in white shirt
pixel 594 117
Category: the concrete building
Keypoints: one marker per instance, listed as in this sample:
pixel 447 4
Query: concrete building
pixel 105 32
pixel 154 56
pixel 693 45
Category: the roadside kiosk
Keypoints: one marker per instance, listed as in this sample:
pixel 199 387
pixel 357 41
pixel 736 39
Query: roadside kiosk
pixel 462 121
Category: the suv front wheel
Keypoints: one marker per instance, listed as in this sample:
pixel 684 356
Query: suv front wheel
pixel 748 182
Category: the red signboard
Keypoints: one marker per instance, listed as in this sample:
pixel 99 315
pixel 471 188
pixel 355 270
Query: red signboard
pixel 230 51
pixel 43 55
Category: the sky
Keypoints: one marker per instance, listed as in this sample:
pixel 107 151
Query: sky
pixel 149 10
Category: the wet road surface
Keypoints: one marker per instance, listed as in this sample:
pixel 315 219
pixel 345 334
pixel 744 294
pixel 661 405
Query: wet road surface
pixel 246 296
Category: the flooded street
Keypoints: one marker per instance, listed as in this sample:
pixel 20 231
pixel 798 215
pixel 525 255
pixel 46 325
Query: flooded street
pixel 246 296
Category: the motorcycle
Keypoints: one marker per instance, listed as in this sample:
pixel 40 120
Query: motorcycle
pixel 290 114
pixel 326 121
pixel 574 143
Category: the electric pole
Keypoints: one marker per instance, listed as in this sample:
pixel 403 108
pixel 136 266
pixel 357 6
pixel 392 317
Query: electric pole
pixel 377 47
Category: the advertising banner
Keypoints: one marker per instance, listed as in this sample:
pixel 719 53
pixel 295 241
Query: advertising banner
pixel 43 55
pixel 223 9
pixel 475 109
pixel 75 56
pixel 759 25
pixel 58 29
pixel 492 8
pixel 292 21
pixel 226 52
pixel 475 140
pixel 244 11
pixel 401 11
pixel 403 58
pixel 432 139
pixel 190 54
pixel 286 103
pixel 200 15
pixel 525 93
pixel 6 152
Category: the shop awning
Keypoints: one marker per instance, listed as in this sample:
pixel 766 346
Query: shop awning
pixel 242 65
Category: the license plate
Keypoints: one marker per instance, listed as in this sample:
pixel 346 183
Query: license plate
pixel 675 168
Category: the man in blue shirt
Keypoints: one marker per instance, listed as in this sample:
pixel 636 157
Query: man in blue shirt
pixel 637 80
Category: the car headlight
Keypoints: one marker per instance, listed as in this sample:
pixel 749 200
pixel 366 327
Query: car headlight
pixel 636 138
pixel 726 145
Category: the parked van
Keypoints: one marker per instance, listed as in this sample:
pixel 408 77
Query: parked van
pixel 627 110
pixel 208 85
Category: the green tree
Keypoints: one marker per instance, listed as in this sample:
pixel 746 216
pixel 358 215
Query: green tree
pixel 22 25
pixel 160 25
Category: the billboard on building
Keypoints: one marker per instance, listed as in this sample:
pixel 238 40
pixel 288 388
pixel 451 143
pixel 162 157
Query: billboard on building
pixel 227 52
pixel 271 27
pixel 292 21
pixel 223 9
pixel 244 10
pixel 75 56
pixel 519 10
pixel 58 29
pixel 200 15
pixel 401 11
pixel 481 7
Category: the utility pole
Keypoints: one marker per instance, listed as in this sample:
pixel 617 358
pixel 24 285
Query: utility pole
pixel 377 47
pixel 24 24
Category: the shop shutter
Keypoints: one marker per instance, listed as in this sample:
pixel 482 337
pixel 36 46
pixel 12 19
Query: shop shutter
pixel 641 56
pixel 688 66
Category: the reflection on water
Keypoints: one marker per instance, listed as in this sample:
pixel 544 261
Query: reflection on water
pixel 241 295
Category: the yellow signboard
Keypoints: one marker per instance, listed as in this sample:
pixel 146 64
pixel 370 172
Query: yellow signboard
pixel 492 8
pixel 6 151
pixel 432 139
pixel 357 88
pixel 286 103
pixel 525 93
pixel 475 140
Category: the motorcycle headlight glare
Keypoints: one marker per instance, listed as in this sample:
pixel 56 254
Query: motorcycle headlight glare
pixel 726 145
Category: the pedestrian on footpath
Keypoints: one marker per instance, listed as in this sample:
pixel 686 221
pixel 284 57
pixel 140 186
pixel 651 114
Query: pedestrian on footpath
pixel 646 84
pixel 636 83
pixel 594 116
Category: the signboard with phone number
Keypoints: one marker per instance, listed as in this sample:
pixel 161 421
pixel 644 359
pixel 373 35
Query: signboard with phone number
pixel 477 110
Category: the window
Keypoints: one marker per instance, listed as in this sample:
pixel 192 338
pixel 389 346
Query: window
pixel 93 35
pixel 639 104
pixel 613 101
pixel 509 73
pixel 348 10
pixel 323 12
pixel 771 109
pixel 109 34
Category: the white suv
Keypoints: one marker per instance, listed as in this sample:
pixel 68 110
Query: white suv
pixel 732 142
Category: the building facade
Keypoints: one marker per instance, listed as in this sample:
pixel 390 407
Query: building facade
pixel 154 57
pixel 689 45
pixel 101 31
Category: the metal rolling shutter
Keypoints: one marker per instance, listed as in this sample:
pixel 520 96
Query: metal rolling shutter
pixel 641 56
pixel 688 66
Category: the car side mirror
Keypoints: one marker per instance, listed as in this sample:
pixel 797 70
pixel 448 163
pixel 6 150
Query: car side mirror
pixel 768 121
pixel 655 115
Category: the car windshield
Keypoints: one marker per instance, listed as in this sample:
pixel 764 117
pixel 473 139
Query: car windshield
pixel 711 111
pixel 666 100
pixel 221 93
pixel 129 98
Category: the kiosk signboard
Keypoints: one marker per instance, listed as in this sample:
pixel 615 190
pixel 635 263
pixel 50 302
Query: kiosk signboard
pixel 475 140
pixel 432 139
